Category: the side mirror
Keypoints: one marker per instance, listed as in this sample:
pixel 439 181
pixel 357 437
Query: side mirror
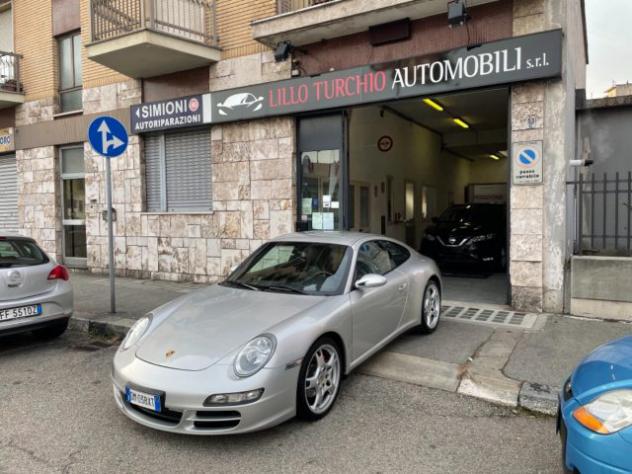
pixel 372 280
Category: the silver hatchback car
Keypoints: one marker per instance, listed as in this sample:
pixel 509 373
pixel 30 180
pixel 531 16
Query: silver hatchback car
pixel 35 292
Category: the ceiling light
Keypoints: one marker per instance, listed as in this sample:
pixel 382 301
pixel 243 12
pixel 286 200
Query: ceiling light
pixel 494 157
pixel 433 104
pixel 461 123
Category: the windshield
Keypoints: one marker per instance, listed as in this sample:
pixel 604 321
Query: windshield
pixel 20 253
pixel 458 214
pixel 296 267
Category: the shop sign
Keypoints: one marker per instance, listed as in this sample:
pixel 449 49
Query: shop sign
pixel 7 139
pixel 385 143
pixel 518 59
pixel 526 163
pixel 173 113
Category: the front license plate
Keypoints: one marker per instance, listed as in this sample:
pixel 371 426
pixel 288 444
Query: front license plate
pixel 149 401
pixel 20 312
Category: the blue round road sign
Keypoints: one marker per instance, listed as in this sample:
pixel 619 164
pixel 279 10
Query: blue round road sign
pixel 108 136
pixel 528 156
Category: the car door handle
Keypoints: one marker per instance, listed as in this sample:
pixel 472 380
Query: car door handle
pixel 402 287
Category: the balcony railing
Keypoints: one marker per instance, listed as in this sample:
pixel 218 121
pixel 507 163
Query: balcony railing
pixel 10 72
pixel 287 6
pixel 188 19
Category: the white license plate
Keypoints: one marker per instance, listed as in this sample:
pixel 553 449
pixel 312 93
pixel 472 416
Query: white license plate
pixel 21 312
pixel 149 401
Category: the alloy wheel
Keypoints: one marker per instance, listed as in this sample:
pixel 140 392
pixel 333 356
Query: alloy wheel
pixel 432 306
pixel 322 379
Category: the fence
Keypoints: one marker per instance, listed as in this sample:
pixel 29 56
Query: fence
pixel 602 213
pixel 10 72
pixel 189 19
pixel 286 6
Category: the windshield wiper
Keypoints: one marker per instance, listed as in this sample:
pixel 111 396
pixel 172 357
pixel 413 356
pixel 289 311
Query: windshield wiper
pixel 287 289
pixel 240 284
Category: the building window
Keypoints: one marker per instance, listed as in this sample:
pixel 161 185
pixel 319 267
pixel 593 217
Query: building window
pixel 178 172
pixel 70 72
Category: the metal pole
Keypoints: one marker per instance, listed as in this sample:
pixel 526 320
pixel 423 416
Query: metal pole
pixel 110 234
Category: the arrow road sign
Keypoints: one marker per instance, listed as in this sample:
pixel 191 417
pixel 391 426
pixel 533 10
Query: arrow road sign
pixel 107 136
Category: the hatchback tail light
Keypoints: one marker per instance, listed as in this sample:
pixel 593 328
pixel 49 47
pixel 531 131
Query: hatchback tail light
pixel 59 273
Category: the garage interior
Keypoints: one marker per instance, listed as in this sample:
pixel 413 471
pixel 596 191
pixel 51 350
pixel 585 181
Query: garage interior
pixel 409 161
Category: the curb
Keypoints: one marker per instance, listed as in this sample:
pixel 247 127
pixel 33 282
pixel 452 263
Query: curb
pixel 486 385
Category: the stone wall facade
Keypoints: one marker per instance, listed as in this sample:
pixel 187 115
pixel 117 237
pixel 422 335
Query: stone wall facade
pixel 38 198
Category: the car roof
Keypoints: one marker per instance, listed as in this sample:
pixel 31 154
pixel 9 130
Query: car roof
pixel 330 237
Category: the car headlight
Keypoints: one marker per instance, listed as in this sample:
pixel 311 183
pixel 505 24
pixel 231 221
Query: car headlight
pixel 136 332
pixel 481 238
pixel 608 413
pixel 430 237
pixel 254 355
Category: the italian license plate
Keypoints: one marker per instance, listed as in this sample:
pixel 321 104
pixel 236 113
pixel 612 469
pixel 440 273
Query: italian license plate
pixel 20 312
pixel 149 401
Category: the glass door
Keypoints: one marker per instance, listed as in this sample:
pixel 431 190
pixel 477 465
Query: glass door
pixel 73 196
pixel 322 173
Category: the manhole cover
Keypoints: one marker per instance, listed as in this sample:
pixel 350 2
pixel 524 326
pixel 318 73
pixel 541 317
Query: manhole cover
pixel 489 316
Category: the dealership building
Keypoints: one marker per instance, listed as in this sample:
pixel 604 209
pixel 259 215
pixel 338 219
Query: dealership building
pixel 248 122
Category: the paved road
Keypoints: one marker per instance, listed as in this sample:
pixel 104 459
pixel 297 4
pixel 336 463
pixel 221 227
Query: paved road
pixel 57 415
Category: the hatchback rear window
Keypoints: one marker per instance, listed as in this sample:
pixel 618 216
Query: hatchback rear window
pixel 20 253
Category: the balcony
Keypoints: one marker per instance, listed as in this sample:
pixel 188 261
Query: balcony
pixel 308 21
pixel 11 91
pixel 146 38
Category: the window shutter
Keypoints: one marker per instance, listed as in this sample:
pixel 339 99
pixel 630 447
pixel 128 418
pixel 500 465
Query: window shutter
pixel 188 170
pixel 8 194
pixel 152 172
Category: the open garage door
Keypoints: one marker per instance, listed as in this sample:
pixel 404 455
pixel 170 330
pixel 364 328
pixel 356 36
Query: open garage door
pixel 433 172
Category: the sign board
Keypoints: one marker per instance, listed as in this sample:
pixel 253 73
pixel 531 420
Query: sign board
pixel 107 136
pixel 526 163
pixel 518 59
pixel 7 139
pixel 173 113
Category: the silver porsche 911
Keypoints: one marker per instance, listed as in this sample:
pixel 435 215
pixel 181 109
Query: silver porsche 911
pixel 275 339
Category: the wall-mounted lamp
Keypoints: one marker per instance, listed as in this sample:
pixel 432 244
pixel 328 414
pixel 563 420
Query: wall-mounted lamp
pixel 282 51
pixel 493 156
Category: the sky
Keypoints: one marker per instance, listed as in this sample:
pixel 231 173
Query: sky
pixel 609 24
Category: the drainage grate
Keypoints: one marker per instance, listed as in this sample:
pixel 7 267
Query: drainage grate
pixel 489 316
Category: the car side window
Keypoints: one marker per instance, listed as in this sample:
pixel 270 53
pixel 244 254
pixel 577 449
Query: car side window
pixel 373 258
pixel 397 254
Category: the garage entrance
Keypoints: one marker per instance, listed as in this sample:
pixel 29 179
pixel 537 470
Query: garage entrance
pixel 431 172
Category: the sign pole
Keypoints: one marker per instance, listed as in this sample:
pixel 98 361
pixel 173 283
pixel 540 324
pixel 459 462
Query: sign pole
pixel 108 171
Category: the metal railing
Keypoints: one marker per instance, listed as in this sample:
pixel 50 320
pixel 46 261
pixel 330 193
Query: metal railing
pixel 602 214
pixel 286 6
pixel 189 19
pixel 10 72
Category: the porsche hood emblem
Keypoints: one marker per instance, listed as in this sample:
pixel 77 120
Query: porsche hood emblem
pixel 169 353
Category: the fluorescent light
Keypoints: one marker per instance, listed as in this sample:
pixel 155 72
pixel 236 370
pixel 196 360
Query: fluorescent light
pixel 461 123
pixel 494 157
pixel 433 104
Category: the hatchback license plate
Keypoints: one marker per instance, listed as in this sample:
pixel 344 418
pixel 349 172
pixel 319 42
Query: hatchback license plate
pixel 149 401
pixel 20 312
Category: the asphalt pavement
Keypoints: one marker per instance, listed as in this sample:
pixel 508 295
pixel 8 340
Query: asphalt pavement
pixel 57 415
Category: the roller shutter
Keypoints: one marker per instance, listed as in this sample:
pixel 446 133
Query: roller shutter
pixel 178 171
pixel 8 194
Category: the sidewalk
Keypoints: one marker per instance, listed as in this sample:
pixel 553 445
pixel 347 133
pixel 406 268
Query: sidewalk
pixel 514 366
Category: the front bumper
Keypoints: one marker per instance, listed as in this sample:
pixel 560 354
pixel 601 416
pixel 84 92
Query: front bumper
pixel 184 393
pixel 57 304
pixel 588 452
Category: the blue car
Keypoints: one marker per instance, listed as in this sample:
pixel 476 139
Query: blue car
pixel 595 412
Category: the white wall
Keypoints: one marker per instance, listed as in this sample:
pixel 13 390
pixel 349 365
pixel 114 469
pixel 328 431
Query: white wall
pixel 416 156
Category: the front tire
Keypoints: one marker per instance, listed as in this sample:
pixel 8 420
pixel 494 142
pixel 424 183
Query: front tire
pixel 319 380
pixel 52 331
pixel 430 308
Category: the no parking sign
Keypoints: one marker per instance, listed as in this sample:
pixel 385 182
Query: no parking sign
pixel 526 163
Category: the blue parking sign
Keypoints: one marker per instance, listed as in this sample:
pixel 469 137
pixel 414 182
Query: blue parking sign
pixel 108 136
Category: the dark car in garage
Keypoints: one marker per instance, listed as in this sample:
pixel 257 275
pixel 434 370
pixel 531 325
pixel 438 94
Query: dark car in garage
pixel 468 237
